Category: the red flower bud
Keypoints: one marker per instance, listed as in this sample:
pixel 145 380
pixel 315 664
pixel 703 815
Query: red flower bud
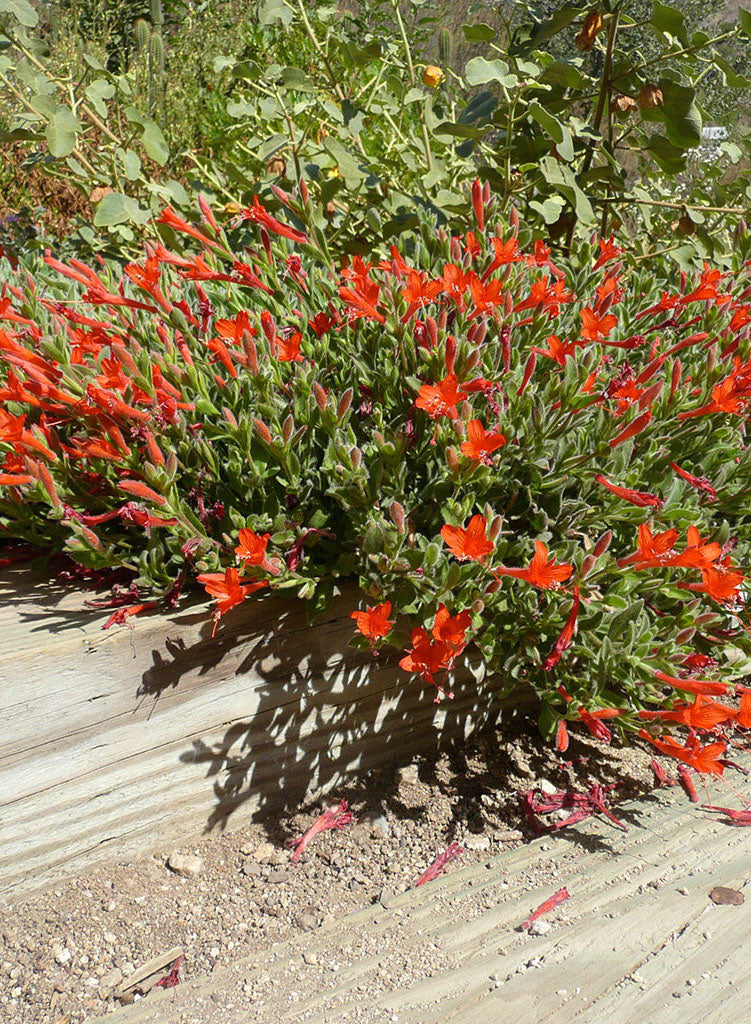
pixel 603 544
pixel 398 517
pixel 450 353
pixel 344 403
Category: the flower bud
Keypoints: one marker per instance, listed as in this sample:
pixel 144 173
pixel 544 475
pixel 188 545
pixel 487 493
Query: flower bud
pixel 508 303
pixel 473 358
pixel 603 543
pixel 450 356
pixel 588 565
pixel 432 76
pixel 493 587
pixel 432 328
pixel 344 403
pixel 262 430
pixel 513 219
pixel 685 635
pixel 249 347
pixel 478 606
pixel 495 528
pixel 398 517
pixel 269 327
pixel 355 457
pixel 320 396
pixel 229 417
pixel 452 460
pixel 465 411
pixel 442 319
pixel 288 428
pixel 304 195
pixel 705 618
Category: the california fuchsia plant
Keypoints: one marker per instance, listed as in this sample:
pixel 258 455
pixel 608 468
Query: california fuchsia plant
pixel 545 462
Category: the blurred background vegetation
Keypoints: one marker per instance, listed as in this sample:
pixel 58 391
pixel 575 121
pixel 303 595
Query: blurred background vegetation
pixel 110 109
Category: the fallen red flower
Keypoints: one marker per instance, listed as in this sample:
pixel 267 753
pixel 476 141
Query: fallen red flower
pixel 549 904
pixel 335 817
pixel 439 864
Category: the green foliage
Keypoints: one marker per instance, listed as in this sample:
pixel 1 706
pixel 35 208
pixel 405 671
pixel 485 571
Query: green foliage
pixel 325 423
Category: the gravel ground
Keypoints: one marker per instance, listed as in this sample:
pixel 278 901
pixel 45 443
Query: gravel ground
pixel 63 954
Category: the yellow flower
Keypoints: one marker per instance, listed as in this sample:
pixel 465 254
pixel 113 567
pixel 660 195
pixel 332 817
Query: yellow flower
pixel 432 76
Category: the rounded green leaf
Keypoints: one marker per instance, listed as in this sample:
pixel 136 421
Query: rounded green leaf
pixel 61 132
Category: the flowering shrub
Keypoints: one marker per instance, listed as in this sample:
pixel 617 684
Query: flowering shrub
pixel 546 463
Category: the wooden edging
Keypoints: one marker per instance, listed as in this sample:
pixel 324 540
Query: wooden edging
pixel 639 939
pixel 116 743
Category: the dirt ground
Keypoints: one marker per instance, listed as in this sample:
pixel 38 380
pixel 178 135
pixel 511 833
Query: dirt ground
pixel 64 953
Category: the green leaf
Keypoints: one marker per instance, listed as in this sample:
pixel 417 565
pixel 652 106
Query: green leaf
pixel 21 10
pixel 345 161
pixel 97 93
pixel 549 209
pixel 151 137
pixel 116 208
pixel 131 163
pixel 295 80
pixel 479 71
pixel 667 156
pixel 275 11
pixel 744 20
pixel 480 33
pixel 479 108
pixel 61 132
pixel 669 20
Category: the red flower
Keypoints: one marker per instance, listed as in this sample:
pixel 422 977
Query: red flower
pixel 418 291
pixel 252 550
pixel 260 215
pixel 699 482
pixel 652 549
pixel 227 589
pixel 288 349
pixel 451 629
pixel 334 817
pixel 374 622
pixel 641 498
pixel 608 251
pixel 542 571
pixel 441 399
pixel 720 582
pixel 427 657
pixel 481 444
pixel 703 759
pixel 557 350
pixel 566 636
pixel 594 327
pixel 470 544
pixel 704 713
pixel 706 687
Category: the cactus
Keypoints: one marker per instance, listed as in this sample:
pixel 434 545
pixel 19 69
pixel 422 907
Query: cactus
pixel 141 35
pixel 445 47
pixel 157 16
pixel 156 71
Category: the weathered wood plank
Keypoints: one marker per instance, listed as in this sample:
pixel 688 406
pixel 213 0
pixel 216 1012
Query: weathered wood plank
pixel 638 926
pixel 116 742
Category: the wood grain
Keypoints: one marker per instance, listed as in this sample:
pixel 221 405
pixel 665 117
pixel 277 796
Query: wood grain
pixel 118 742
pixel 639 926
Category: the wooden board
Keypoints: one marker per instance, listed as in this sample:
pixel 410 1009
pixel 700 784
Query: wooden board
pixel 638 940
pixel 117 742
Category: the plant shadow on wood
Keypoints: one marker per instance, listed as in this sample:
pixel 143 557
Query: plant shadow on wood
pixel 319 711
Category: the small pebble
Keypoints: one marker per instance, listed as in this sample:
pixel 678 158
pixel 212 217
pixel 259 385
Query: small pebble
pixel 185 864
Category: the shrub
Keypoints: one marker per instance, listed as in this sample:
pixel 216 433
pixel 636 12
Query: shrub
pixel 545 462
